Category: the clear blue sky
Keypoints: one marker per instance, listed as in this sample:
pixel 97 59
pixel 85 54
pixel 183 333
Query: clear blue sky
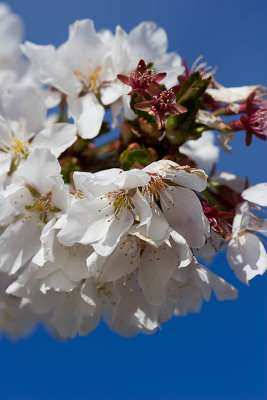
pixel 219 354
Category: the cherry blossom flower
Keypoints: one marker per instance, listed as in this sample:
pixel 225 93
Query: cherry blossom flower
pixel 80 68
pixel 110 205
pixel 141 78
pixel 22 128
pixel 162 103
pixel 154 265
pixel 246 253
pixel 172 186
pixel 35 197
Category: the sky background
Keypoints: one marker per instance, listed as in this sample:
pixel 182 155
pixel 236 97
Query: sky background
pixel 215 355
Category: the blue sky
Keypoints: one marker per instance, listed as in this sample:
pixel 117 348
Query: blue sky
pixel 218 354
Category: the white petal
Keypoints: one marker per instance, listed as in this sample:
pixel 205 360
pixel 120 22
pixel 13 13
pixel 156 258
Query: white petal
pixel 112 92
pixel 122 261
pixel 256 194
pixel 181 248
pixel 24 104
pixel 38 168
pixel 247 257
pixel 186 216
pixel 88 115
pixel 57 138
pixel 157 265
pixel 222 289
pixel 85 224
pixel 153 225
pixel 149 42
pixel 18 244
pixel 232 94
pixel 58 282
pixel 202 150
pixel 116 229
pixel 38 55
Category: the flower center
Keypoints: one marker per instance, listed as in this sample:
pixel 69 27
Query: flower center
pixel 121 200
pixel 142 79
pixel 154 187
pixel 90 80
pixel 162 101
pixel 17 148
pixel 42 205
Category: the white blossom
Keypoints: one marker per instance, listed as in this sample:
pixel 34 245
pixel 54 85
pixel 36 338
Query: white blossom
pixel 203 151
pixel 109 207
pixel 173 186
pixel 23 128
pixel 35 197
pixel 82 69
pixel 246 253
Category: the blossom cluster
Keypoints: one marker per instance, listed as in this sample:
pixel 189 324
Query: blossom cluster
pixel 116 231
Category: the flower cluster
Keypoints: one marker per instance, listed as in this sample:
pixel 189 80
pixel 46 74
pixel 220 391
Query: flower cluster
pixel 115 231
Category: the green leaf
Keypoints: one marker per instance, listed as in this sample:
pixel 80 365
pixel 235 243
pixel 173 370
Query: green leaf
pixel 70 165
pixel 189 95
pixel 134 158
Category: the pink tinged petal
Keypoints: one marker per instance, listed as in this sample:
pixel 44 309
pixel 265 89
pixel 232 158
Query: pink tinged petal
pixel 122 261
pixel 157 265
pixel 256 194
pixel 18 244
pixel 88 115
pixel 24 104
pixel 57 138
pixel 177 109
pixel 247 257
pixel 38 170
pixel 159 77
pixel 185 216
pixel 124 79
pixel 144 106
pixel 154 89
pixel 159 120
